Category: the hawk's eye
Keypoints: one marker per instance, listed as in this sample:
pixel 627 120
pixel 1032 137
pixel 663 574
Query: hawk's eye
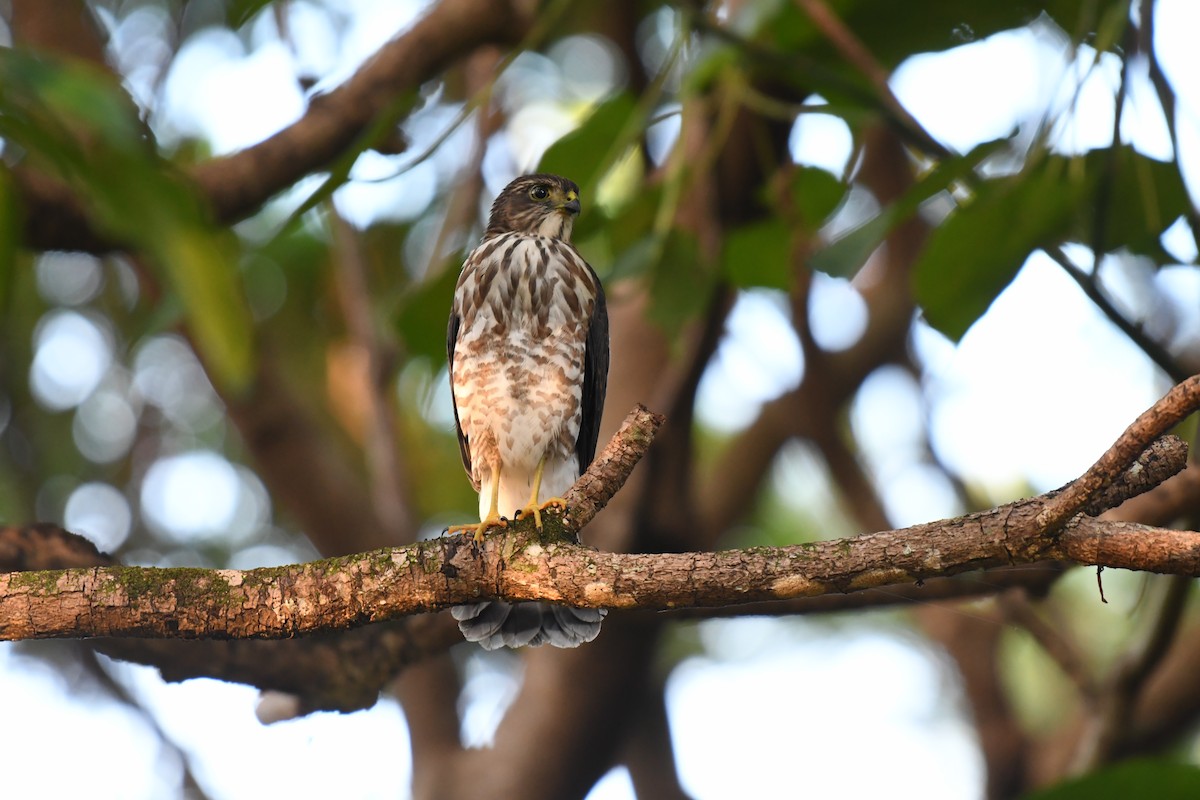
pixel 539 192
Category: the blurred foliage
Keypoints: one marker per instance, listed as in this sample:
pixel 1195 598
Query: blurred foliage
pixel 1163 780
pixel 1053 200
pixel 266 291
pixel 75 123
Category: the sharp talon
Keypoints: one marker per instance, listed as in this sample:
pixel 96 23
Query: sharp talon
pixel 478 529
pixel 536 510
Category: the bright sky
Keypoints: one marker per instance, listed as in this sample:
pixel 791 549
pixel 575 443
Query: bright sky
pixel 772 702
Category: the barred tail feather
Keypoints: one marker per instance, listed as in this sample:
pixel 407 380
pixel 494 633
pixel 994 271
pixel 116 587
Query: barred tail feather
pixel 495 624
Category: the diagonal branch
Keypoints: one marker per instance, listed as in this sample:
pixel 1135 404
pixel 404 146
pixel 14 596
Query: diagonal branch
pixel 1178 403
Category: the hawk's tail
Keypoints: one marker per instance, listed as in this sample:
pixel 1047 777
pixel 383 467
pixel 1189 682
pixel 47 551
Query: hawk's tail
pixel 495 624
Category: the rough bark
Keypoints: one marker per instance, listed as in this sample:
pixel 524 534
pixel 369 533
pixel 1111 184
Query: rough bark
pixel 524 564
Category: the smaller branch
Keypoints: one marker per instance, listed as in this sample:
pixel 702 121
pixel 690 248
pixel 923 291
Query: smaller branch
pixel 1174 498
pixel 858 56
pixel 387 478
pixel 1019 610
pixel 1106 729
pixel 609 470
pixel 336 672
pixel 1091 287
pixel 1146 474
pixel 1177 404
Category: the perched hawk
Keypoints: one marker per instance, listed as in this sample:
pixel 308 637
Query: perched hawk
pixel 528 350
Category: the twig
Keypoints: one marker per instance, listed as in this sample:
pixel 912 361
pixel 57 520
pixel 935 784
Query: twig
pixel 1166 96
pixel 1108 174
pixel 1109 725
pixel 1054 643
pixel 1094 292
pixel 1178 403
pixel 386 474
pixel 857 55
pixel 609 470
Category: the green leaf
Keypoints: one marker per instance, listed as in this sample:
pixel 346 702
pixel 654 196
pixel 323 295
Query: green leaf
pixel 8 236
pixel 75 122
pixel 977 251
pixel 816 193
pixel 1144 199
pixel 424 313
pixel 586 153
pixel 239 12
pixel 846 254
pixel 1162 780
pixel 759 254
pixel 892 32
pixel 680 284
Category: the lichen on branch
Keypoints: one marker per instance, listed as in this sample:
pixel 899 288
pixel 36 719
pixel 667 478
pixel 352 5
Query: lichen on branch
pixel 522 563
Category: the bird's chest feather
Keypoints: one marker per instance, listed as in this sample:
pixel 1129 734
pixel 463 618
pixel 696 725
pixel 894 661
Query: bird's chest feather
pixel 518 370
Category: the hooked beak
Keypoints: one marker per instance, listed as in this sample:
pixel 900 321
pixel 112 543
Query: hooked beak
pixel 572 204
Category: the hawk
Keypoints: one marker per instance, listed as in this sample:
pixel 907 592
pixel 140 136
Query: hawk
pixel 528 352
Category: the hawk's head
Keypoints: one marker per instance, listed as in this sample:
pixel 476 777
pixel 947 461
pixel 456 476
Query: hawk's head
pixel 537 204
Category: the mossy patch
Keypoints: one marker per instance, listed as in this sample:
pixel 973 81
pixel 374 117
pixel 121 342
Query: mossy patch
pixel 188 585
pixel 43 581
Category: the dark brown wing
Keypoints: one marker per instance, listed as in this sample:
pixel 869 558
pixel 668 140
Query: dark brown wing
pixel 595 379
pixel 464 447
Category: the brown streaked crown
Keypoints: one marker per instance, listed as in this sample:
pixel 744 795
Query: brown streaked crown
pixel 536 204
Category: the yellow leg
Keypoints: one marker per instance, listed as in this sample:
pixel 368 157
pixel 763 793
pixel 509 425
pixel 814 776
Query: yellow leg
pixel 534 507
pixel 493 518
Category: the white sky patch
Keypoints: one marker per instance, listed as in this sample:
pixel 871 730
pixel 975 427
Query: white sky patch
pixel 99 512
pixel 229 98
pixel 71 356
pixel 615 785
pixel 820 140
pixel 359 755
pixel 963 97
pixel 191 495
pixel 1039 387
pixel 99 733
pixel 794 700
pixel 758 359
pixel 837 314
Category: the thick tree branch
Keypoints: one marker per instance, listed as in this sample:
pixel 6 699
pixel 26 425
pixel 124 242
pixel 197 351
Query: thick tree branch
pixel 337 672
pixel 347 592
